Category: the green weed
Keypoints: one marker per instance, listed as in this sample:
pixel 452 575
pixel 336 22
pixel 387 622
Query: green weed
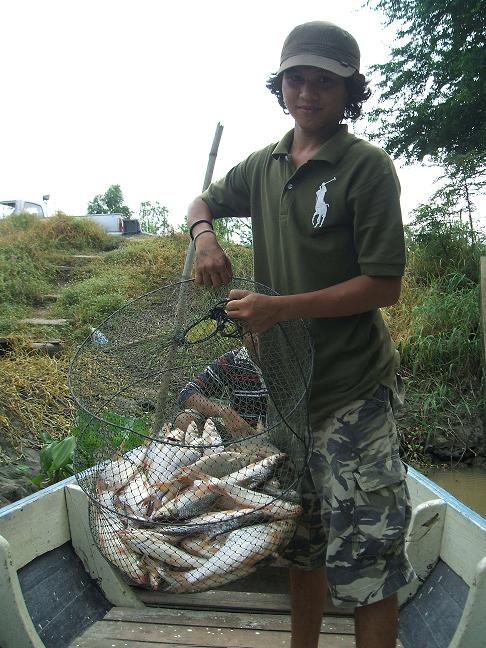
pixel 24 277
pixel 99 439
pixel 91 301
pixel 56 460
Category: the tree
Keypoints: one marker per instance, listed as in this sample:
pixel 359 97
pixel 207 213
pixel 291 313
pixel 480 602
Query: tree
pixel 154 218
pixel 111 202
pixel 463 180
pixel 236 230
pixel 433 89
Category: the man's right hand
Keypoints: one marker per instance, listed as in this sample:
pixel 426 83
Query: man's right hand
pixel 213 267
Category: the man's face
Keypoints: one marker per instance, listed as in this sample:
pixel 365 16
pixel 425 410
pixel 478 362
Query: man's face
pixel 315 98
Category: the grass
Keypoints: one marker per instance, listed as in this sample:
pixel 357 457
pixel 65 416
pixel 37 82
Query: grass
pixel 435 325
pixel 34 396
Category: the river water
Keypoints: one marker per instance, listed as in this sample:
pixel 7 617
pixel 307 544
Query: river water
pixel 467 484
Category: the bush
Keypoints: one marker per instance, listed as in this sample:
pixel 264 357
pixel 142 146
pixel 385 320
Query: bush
pixel 440 248
pixel 91 301
pixel 157 260
pixel 76 234
pixel 444 334
pixel 24 277
pixel 436 326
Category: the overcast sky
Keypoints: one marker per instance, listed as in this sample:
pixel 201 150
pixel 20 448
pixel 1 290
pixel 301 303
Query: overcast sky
pixel 129 92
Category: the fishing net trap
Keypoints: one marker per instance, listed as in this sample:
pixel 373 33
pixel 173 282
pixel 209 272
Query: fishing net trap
pixel 192 437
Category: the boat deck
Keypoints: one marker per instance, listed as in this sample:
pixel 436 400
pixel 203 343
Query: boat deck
pixel 130 628
pixel 253 612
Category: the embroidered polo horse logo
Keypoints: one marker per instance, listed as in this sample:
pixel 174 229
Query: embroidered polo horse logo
pixel 321 205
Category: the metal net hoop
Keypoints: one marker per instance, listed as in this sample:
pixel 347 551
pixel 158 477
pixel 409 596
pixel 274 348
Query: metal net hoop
pixel 188 428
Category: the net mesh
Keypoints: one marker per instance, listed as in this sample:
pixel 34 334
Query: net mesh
pixel 192 437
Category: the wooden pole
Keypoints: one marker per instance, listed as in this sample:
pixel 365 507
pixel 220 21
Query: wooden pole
pixel 161 403
pixel 186 273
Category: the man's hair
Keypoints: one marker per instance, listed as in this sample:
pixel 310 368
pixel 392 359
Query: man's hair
pixel 356 86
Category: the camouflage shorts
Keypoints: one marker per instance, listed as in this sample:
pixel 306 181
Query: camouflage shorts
pixel 356 505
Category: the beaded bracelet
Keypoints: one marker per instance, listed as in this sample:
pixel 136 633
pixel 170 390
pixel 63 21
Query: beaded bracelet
pixel 199 234
pixel 198 222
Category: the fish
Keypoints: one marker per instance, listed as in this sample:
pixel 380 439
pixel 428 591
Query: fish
pixel 115 550
pixel 135 497
pixel 243 549
pixel 268 505
pixel 211 439
pixel 191 501
pixel 165 492
pixel 105 509
pixel 192 436
pixel 216 465
pixel 202 545
pixel 159 576
pixel 176 435
pixel 116 473
pixel 259 448
pixel 214 523
pixel 275 490
pixel 256 472
pixel 164 460
pixel 156 545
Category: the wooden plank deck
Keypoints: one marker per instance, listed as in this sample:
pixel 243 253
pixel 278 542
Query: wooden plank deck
pixel 253 612
pixel 175 628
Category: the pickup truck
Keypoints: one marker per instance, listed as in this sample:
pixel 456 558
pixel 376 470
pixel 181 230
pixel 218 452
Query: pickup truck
pixel 8 207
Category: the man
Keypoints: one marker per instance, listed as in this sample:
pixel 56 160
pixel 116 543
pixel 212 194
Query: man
pixel 328 237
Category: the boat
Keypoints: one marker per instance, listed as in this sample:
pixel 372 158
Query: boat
pixel 57 590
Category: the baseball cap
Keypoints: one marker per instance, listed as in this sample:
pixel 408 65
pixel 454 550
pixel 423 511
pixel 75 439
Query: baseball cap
pixel 321 44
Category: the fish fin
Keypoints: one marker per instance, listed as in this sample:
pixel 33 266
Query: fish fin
pixel 184 474
pixel 195 474
pixel 163 486
pixel 174 580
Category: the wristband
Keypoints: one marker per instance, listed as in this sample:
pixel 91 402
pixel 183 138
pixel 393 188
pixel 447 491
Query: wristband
pixel 198 222
pixel 199 234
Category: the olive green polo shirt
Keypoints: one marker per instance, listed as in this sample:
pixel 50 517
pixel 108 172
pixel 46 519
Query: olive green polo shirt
pixel 334 218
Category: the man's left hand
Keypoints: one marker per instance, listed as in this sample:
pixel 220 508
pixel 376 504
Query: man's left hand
pixel 257 312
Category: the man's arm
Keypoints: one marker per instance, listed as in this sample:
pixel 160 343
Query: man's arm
pixel 212 266
pixel 233 422
pixel 357 295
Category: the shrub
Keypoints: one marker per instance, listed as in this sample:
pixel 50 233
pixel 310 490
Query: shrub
pixel 23 276
pixel 77 234
pixel 91 301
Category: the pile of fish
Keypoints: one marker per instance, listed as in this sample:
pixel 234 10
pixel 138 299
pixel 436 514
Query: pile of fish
pixel 184 513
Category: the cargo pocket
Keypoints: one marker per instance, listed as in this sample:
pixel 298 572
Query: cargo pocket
pixel 381 507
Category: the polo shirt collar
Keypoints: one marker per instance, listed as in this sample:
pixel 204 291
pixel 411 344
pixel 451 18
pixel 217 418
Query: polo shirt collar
pixel 331 151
